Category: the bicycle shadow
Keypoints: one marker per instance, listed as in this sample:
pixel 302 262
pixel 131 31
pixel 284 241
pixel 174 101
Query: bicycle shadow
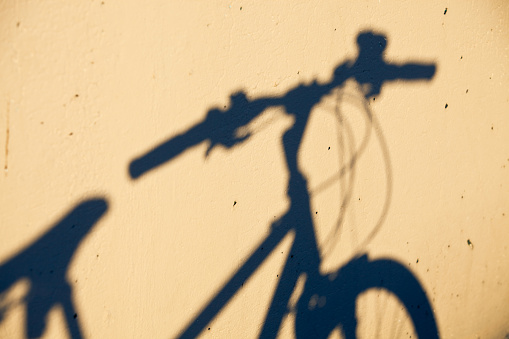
pixel 341 289
pixel 45 263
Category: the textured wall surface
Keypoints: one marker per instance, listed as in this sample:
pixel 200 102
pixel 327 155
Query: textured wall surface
pixel 392 199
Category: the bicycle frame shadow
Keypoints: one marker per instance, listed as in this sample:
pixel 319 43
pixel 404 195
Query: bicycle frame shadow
pixel 341 289
pixel 45 264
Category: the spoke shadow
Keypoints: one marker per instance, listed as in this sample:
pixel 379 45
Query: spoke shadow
pixel 341 289
pixel 45 263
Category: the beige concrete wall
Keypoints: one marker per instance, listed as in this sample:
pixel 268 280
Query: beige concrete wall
pixel 88 86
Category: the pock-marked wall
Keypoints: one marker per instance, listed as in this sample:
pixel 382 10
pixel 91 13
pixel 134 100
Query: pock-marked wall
pixel 158 182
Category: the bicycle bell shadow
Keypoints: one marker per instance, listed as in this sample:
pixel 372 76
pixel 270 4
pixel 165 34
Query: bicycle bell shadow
pixel 340 291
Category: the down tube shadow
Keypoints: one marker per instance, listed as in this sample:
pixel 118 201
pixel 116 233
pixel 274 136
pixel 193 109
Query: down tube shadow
pixel 340 290
pixel 45 264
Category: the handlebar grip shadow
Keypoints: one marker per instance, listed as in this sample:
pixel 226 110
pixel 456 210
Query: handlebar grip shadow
pixel 168 150
pixel 137 167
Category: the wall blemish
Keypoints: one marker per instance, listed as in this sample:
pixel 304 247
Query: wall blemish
pixel 6 164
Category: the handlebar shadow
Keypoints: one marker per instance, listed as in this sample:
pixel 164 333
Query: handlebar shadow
pixel 371 71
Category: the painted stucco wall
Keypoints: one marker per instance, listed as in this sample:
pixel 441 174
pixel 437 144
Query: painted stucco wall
pixel 415 176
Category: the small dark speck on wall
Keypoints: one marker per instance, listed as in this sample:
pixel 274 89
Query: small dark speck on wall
pixel 445 11
pixel 469 243
pixel 417 261
pixel 234 203
pixel 446 105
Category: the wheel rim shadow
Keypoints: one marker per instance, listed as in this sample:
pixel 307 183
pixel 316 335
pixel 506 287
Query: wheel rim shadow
pixel 331 301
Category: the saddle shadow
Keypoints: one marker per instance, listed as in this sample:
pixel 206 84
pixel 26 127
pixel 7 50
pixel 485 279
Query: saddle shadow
pixel 45 263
